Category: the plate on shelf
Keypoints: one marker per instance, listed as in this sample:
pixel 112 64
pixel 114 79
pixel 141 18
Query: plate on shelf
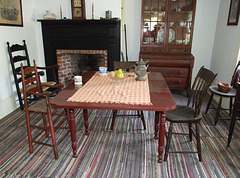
pixel 171 35
pixel 170 38
pixel 160 35
pixel 103 74
pixel 171 24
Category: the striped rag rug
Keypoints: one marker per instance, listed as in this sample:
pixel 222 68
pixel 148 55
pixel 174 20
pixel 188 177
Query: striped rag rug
pixel 127 151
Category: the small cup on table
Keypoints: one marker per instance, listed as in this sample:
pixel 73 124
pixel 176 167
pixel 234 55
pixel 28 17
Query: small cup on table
pixel 78 80
pixel 102 70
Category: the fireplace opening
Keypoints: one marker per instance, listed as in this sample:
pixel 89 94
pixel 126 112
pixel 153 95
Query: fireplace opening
pixel 86 62
pixel 75 62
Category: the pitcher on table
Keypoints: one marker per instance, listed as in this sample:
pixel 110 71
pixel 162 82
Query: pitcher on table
pixel 141 69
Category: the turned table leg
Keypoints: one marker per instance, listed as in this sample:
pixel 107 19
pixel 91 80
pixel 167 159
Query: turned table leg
pixel 161 136
pixel 85 115
pixel 156 124
pixel 73 132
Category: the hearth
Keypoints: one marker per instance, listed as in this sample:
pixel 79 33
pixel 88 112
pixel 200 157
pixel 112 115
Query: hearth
pixel 79 36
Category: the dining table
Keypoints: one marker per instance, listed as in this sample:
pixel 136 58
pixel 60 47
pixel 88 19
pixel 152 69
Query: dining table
pixel 161 100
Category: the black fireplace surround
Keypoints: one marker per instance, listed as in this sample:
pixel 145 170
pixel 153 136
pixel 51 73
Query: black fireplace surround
pixel 80 35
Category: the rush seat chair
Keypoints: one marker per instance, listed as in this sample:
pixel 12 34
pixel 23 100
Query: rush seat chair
pixel 19 54
pixel 32 86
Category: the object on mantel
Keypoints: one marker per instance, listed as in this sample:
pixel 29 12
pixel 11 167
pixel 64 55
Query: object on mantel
pixel 61 13
pixel 102 18
pixel 49 15
pixel 108 14
pixel 92 11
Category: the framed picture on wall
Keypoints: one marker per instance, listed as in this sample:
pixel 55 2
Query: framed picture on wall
pixel 233 12
pixel 78 9
pixel 11 13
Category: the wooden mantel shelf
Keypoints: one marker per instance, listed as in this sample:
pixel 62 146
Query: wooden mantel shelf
pixel 74 21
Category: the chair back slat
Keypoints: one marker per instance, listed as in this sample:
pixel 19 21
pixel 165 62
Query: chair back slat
pixel 30 81
pixel 19 58
pixel 28 70
pixel 200 86
pixel 17 47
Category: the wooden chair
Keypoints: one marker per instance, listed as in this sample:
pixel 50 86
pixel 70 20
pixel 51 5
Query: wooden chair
pixel 235 114
pixel 231 95
pixel 129 67
pixel 31 86
pixel 19 54
pixel 191 113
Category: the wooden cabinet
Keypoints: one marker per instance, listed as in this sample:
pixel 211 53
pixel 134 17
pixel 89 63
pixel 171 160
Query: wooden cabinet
pixel 166 39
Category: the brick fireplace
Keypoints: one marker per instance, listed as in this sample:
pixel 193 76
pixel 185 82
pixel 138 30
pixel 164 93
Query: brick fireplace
pixel 74 62
pixel 79 37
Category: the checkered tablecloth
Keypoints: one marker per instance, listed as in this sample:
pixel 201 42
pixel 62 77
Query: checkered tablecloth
pixel 103 89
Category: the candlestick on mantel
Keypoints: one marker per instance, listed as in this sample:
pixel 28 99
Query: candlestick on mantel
pixel 61 12
pixel 92 10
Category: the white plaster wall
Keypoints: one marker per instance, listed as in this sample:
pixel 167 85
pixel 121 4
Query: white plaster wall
pixel 14 35
pixel 133 23
pixel 204 33
pixel 100 6
pixel 226 45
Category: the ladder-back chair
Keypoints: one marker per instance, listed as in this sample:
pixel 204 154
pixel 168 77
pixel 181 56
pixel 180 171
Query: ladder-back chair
pixel 19 54
pixel 32 86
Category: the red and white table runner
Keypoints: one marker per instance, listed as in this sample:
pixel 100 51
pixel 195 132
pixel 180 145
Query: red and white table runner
pixel 102 89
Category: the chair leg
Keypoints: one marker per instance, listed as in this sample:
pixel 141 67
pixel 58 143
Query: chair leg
pixel 45 124
pixel 20 99
pixel 198 142
pixel 21 104
pixel 139 113
pixel 113 119
pixel 218 110
pixel 232 124
pixel 190 131
pixel 54 145
pixel 169 136
pixel 209 103
pixel 230 106
pixel 143 120
pixel 29 132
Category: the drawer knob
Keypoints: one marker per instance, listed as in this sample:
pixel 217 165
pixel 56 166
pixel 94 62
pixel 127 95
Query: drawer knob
pixel 179 81
pixel 180 72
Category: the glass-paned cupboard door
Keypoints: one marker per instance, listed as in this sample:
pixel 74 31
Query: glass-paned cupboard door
pixel 154 21
pixel 180 21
